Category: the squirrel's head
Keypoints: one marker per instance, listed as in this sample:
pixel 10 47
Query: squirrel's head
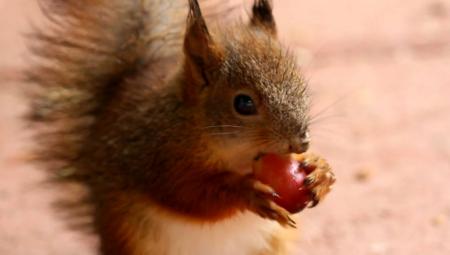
pixel 245 87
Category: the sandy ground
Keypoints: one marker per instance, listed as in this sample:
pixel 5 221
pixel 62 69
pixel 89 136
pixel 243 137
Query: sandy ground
pixel 379 72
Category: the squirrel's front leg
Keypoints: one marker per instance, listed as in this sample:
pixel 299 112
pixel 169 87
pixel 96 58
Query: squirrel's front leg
pixel 259 199
pixel 254 196
pixel 213 195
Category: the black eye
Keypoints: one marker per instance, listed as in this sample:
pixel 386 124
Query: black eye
pixel 244 105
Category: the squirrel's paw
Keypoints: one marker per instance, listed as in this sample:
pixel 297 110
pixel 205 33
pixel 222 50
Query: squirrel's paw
pixel 321 178
pixel 259 200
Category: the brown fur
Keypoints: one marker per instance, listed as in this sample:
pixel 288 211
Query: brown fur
pixel 138 135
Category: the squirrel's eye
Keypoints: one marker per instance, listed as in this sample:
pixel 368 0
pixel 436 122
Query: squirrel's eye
pixel 244 105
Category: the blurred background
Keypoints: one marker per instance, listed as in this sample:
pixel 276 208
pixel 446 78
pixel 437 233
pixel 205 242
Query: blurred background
pixel 379 72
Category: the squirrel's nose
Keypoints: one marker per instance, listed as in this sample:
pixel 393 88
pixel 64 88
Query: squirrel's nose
pixel 299 144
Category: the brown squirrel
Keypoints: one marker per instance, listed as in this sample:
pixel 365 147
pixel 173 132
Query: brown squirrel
pixel 161 117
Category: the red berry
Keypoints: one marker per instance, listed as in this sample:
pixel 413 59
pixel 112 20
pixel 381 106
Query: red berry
pixel 286 176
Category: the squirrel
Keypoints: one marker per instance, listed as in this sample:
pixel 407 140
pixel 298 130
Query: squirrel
pixel 160 115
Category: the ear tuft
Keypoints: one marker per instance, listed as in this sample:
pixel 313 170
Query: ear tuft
pixel 202 54
pixel 263 17
pixel 195 17
pixel 198 43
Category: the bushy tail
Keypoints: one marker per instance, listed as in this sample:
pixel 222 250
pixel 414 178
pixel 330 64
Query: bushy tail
pixel 81 60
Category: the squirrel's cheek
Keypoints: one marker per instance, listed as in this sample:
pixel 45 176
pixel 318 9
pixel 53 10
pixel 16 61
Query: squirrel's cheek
pixel 236 158
pixel 240 164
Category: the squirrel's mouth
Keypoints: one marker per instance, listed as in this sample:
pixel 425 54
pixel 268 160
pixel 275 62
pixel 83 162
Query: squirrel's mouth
pixel 258 156
pixel 278 151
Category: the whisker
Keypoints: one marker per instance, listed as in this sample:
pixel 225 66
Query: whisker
pixel 222 133
pixel 223 126
pixel 334 103
pixel 264 140
pixel 334 133
pixel 325 109
pixel 320 119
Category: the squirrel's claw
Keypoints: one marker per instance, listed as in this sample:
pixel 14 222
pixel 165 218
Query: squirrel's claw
pixel 259 200
pixel 263 188
pixel 270 210
pixel 320 180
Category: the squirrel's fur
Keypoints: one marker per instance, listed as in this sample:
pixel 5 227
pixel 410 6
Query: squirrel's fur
pixel 138 110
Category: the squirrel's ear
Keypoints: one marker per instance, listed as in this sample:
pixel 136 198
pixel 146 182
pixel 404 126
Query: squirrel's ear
pixel 199 46
pixel 262 16
pixel 201 52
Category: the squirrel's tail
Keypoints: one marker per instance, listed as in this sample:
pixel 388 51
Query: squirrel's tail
pixel 81 59
pixel 82 62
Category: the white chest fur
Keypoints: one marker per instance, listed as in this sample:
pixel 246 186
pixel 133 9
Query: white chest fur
pixel 243 234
